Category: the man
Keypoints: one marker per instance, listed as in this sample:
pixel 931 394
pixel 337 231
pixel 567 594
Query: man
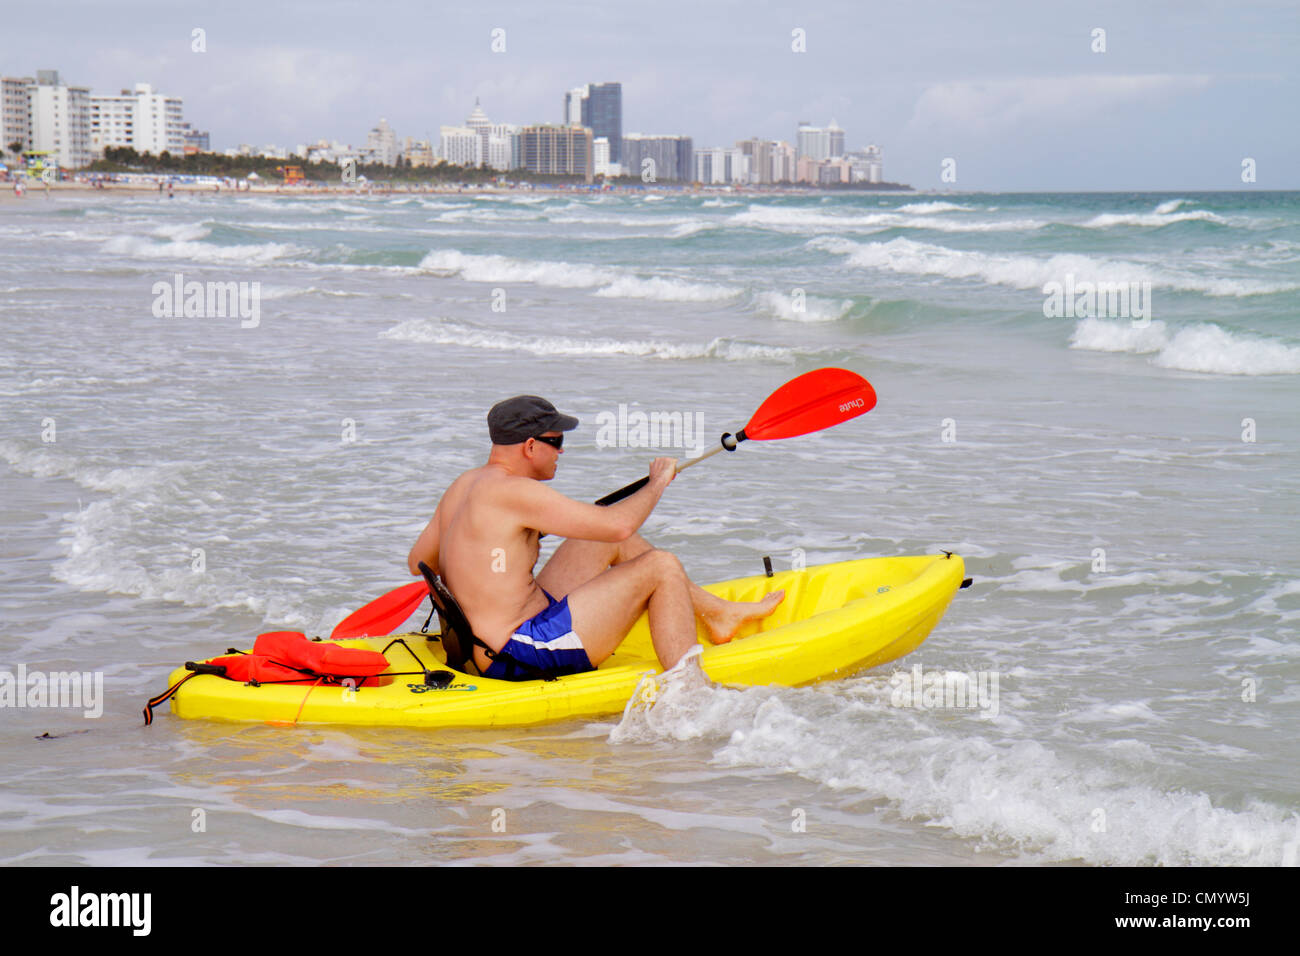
pixel 484 541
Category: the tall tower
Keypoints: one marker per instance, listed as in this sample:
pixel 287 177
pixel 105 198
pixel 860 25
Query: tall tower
pixel 836 139
pixel 480 124
pixel 575 107
pixel 604 114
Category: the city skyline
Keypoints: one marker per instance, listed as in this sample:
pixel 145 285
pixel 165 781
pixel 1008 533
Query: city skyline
pixel 1016 97
pixel 76 125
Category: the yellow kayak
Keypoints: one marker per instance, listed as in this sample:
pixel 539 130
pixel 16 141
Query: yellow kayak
pixel 836 620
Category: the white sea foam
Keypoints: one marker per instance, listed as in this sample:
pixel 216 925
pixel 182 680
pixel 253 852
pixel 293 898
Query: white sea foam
pixel 666 290
pixel 803 220
pixel 442 332
pixel 620 220
pixel 1100 335
pixel 1151 219
pixel 688 229
pixel 926 208
pixel 476 268
pixel 182 232
pixel 138 247
pixel 48 461
pixel 909 257
pixel 1197 348
pixel 955 771
pixel 608 282
pixel 289 292
pixel 815 309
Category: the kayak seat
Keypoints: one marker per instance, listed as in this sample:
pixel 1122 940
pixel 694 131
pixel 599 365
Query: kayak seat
pixel 458 638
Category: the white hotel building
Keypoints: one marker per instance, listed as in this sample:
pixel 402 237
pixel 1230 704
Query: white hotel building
pixel 58 119
pixel 143 119
pixel 718 164
pixel 460 145
pixel 76 126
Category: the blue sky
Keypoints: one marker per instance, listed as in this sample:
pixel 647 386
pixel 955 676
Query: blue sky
pixel 1014 92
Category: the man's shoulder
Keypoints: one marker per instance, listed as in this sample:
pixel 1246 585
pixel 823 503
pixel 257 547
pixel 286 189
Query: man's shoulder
pixel 485 485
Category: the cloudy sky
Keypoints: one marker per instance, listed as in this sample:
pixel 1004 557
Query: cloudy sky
pixel 1014 92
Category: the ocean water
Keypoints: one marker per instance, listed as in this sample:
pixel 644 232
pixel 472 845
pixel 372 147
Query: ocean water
pixel 1123 489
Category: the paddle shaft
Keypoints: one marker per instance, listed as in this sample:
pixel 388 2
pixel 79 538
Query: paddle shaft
pixel 626 490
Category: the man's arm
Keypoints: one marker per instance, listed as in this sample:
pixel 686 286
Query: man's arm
pixel 426 546
pixel 536 506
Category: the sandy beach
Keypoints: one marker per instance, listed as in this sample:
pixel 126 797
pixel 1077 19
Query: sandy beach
pixel 37 191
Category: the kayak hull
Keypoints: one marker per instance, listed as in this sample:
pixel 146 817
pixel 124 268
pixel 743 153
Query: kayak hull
pixel 836 620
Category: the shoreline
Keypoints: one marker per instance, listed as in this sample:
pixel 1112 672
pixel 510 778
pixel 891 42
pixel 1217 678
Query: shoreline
pixel 37 191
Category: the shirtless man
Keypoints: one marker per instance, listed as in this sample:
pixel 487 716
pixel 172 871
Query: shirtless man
pixel 484 541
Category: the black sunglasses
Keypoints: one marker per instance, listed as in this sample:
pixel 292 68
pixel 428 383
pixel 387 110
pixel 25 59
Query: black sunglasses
pixel 555 441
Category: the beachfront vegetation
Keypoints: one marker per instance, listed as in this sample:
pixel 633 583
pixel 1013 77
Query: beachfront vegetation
pixel 124 159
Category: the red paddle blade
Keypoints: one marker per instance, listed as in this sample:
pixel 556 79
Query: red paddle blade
pixel 813 401
pixel 381 615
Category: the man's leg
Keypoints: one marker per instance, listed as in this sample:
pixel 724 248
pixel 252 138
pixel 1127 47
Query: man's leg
pixel 604 609
pixel 577 562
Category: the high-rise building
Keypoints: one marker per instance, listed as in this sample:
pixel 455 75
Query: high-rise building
pixel 575 101
pixel 558 150
pixel 836 137
pixel 500 140
pixel 60 119
pixel 381 145
pixel 603 165
pixel 817 143
pixel 784 162
pixel 867 164
pixel 812 142
pixel 670 158
pixel 605 116
pixel 759 152
pixel 15 111
pixel 460 146
pixel 718 164
pixel 504 149
pixel 598 106
pixel 140 118
pixel 479 123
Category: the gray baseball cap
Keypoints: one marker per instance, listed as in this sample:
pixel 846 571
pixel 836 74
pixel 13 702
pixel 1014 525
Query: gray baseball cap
pixel 523 417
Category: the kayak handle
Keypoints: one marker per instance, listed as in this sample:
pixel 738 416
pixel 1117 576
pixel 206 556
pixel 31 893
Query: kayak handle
pixel 217 670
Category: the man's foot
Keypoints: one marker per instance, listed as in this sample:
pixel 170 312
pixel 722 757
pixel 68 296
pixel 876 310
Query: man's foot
pixel 728 617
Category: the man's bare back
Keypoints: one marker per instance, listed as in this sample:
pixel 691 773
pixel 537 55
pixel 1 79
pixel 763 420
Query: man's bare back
pixel 485 558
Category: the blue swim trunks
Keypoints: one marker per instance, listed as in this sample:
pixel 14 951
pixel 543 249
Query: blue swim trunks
pixel 545 641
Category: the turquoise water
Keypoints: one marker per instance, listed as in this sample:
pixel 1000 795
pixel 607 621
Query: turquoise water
pixel 1123 492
